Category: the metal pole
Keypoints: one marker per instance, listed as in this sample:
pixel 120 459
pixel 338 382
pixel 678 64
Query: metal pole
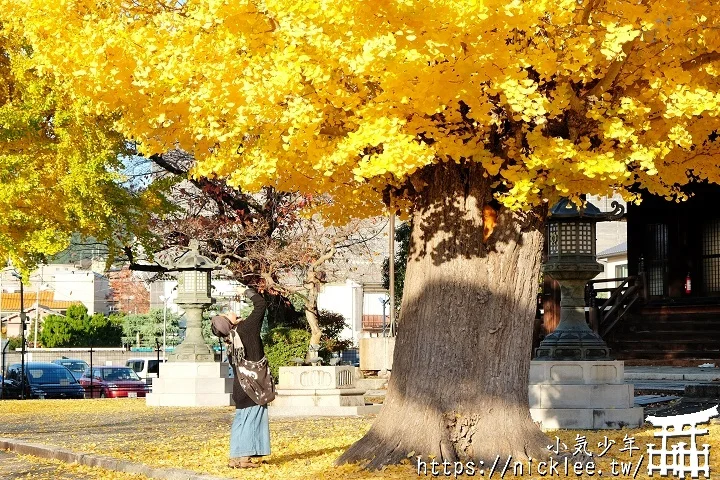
pixel 384 305
pixel 164 328
pixel 22 334
pixel 92 391
pixel 392 271
pixel 157 349
pixel 2 274
pixel 37 307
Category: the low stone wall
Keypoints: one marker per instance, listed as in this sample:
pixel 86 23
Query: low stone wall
pixel 376 353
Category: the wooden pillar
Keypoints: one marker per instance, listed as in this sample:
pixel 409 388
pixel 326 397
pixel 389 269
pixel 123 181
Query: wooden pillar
pixel 551 305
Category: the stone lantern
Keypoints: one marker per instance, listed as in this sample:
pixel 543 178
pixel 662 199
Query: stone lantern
pixel 192 377
pixel 571 260
pixel 573 382
pixel 193 294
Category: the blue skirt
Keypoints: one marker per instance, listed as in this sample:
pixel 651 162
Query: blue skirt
pixel 250 432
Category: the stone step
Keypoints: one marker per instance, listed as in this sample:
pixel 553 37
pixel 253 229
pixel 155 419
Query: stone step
pixel 702 390
pixel 663 348
pixel 371 383
pixel 375 397
pixel 587 418
pixel 601 396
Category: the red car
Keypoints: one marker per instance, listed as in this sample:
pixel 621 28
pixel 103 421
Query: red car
pixel 113 382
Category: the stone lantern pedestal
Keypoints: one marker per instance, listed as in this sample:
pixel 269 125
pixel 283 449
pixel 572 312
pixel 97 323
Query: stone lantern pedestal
pixel 574 383
pixel 191 384
pixel 192 377
pixel 587 395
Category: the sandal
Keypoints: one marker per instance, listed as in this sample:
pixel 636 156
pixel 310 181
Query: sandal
pixel 242 462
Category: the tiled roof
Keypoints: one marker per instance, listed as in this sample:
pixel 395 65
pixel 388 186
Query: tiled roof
pixel 618 249
pixel 11 301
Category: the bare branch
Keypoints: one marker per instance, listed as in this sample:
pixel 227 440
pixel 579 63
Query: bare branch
pixel 142 267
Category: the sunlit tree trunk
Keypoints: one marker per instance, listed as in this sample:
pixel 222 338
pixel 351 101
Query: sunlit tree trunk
pixel 459 384
pixel 311 314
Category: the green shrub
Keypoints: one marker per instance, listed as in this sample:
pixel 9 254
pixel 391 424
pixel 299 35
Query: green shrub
pixel 282 344
pixel 332 325
pixel 13 343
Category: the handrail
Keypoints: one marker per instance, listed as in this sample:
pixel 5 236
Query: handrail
pixel 604 317
pixel 606 280
pixel 632 296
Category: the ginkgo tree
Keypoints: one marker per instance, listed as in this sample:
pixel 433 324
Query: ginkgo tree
pixel 467 117
pixel 59 166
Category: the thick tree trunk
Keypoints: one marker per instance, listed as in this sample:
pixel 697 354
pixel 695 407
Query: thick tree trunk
pixel 459 384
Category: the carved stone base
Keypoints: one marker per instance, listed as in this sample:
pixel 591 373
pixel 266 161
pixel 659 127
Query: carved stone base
pixel 319 391
pixel 582 395
pixel 572 345
pixel 191 384
pixel 192 353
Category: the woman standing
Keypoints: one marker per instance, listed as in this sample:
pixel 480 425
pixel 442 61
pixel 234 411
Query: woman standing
pixel 253 387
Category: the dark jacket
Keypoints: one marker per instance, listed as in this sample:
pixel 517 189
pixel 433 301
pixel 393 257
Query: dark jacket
pixel 249 331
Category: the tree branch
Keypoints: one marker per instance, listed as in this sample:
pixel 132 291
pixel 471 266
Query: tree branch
pixel 584 16
pixel 140 266
pixel 222 198
pixel 615 68
pixel 700 60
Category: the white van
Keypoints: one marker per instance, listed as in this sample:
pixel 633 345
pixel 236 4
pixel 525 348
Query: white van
pixel 146 368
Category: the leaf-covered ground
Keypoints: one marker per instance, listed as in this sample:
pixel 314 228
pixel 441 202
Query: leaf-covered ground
pixel 14 467
pixel 197 439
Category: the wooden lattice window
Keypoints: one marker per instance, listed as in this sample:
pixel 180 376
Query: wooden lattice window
pixel 554 246
pixel 656 243
pixel 711 256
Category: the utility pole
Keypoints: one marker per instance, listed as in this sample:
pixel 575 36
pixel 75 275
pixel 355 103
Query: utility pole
pixel 22 334
pixel 37 307
pixel 2 274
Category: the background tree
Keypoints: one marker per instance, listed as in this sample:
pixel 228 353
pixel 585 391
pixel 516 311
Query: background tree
pixel 31 331
pixel 467 117
pixel 150 327
pixel 14 343
pixel 310 256
pixel 402 238
pixel 268 240
pixel 128 292
pixel 60 165
pixel 78 329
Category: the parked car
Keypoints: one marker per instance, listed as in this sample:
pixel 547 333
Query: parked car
pixel 146 368
pixel 113 382
pixel 76 367
pixel 42 380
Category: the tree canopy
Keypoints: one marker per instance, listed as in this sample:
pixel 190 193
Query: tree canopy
pixel 464 114
pixel 60 165
pixel 550 97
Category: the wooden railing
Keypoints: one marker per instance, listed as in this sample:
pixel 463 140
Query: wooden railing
pixel 604 314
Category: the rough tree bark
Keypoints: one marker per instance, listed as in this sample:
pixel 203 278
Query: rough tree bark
pixel 312 316
pixel 459 384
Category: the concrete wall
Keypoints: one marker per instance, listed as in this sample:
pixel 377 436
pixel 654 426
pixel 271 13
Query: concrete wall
pixel 610 263
pixel 85 286
pixel 345 299
pixel 376 353
pixel 609 234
